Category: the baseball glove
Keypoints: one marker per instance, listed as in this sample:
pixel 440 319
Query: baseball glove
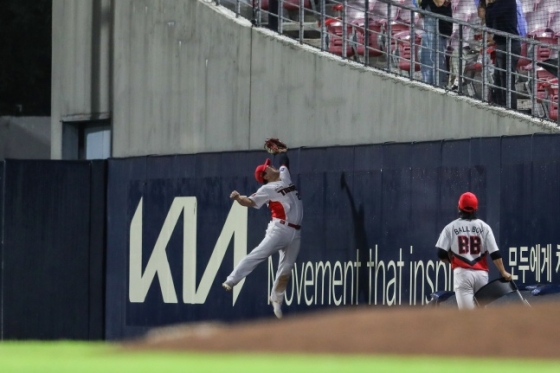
pixel 274 146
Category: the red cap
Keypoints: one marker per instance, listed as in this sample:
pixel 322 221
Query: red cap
pixel 468 202
pixel 260 169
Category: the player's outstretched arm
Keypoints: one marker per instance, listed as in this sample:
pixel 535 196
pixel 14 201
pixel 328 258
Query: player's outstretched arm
pixel 242 200
pixel 283 159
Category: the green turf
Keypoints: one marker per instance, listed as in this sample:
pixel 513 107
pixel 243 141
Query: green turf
pixel 62 357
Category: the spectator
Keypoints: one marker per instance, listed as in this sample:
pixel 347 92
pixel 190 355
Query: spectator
pixel 472 47
pixel 521 21
pixel 501 15
pixel 434 42
pixel 273 15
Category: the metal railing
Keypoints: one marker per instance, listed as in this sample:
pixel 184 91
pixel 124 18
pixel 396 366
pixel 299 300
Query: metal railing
pixel 390 35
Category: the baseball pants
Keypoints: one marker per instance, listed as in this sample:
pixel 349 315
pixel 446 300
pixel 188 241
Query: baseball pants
pixel 466 283
pixel 279 238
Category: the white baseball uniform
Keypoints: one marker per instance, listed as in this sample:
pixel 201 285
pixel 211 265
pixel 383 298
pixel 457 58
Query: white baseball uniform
pixel 283 233
pixel 470 241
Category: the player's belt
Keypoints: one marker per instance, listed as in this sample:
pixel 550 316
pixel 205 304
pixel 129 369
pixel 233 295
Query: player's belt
pixel 295 226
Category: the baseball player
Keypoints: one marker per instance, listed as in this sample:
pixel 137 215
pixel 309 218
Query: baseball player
pixel 466 242
pixel 283 234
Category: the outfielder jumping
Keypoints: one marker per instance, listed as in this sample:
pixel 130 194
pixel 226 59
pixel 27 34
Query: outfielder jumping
pixel 466 242
pixel 283 234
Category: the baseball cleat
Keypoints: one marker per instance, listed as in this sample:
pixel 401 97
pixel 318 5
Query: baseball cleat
pixel 226 286
pixel 277 309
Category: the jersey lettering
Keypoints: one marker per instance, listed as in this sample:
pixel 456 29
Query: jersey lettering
pixel 291 188
pixel 476 245
pixel 287 190
pixel 467 229
pixel 469 245
pixel 463 244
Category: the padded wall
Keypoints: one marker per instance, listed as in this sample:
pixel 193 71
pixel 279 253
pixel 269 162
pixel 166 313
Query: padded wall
pixel 372 217
pixel 53 250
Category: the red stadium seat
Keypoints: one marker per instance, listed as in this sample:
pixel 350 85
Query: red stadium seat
pixel 295 4
pixel 264 4
pixel 542 80
pixel 335 34
pixel 539 24
pixel 552 97
pixel 354 12
pixel 404 50
pixel 288 4
pixel 380 12
pixel 374 47
pixel 356 17
pixel 542 52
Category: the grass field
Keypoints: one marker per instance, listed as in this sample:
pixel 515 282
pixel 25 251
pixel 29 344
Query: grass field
pixel 62 357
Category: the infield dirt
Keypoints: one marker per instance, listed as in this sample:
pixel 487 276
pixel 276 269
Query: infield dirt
pixel 506 331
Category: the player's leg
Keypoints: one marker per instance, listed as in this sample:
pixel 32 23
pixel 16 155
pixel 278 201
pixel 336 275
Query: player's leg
pixel 427 51
pixel 454 74
pixel 499 94
pixel 480 280
pixel 273 241
pixel 286 263
pixel 463 283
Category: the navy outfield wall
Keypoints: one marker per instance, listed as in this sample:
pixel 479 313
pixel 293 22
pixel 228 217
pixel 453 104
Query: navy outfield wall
pixel 372 217
pixel 52 250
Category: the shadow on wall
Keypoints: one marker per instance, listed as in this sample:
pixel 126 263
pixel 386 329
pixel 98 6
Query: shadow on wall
pixel 360 240
pixel 25 137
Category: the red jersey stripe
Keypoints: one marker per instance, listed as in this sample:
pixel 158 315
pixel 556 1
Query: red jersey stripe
pixel 482 264
pixel 277 210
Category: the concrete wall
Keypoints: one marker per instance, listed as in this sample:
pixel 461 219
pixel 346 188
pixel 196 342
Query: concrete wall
pixel 25 138
pixel 182 78
pixel 189 77
pixel 81 68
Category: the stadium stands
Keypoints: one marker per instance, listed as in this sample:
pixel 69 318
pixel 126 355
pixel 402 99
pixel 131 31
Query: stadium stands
pixel 552 96
pixel 466 7
pixel 537 20
pixel 546 5
pixel 288 4
pixel 404 50
pixel 554 22
pixel 335 37
pixel 357 18
pixel 539 23
pixel 528 5
pixel 388 39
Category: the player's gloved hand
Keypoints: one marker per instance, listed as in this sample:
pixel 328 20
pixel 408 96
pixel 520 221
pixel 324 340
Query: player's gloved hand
pixel 275 146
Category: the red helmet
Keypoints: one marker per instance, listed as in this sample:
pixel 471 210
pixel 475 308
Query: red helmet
pixel 259 171
pixel 468 202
